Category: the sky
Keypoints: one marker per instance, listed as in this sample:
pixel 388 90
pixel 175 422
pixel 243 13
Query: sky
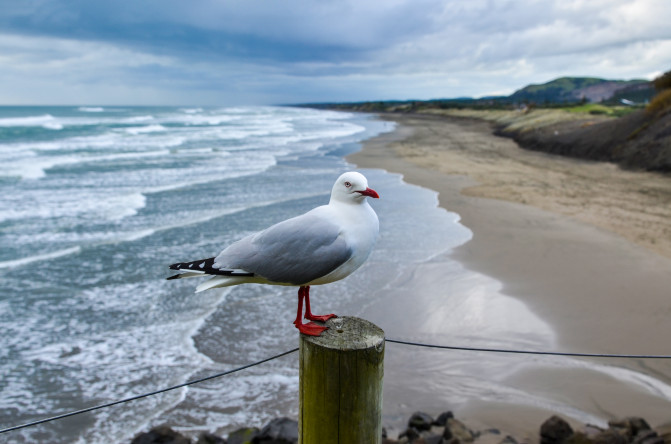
pixel 263 52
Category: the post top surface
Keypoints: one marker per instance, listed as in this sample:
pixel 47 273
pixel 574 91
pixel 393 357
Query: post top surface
pixel 348 333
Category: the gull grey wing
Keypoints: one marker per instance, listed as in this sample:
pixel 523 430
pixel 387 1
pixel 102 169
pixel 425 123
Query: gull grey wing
pixel 295 251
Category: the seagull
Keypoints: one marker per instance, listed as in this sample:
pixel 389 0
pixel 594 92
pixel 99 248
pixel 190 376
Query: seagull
pixel 324 245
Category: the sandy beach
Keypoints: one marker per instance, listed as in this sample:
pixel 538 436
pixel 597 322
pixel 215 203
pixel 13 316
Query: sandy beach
pixel 584 246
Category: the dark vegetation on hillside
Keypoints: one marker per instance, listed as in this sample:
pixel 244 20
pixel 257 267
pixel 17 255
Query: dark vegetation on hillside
pixel 635 141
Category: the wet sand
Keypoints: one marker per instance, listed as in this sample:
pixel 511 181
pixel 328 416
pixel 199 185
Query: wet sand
pixel 585 246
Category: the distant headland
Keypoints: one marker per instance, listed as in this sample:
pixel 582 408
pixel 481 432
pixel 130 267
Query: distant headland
pixel 627 122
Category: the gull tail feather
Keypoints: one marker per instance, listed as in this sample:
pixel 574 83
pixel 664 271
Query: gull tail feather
pixel 205 267
pixel 217 281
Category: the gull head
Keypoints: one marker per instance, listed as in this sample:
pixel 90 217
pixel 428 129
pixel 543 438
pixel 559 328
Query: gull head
pixel 352 187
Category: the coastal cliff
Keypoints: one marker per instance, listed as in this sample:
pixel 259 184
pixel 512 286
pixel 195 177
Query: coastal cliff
pixel 638 140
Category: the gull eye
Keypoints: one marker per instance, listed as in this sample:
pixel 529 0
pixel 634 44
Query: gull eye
pixel 348 185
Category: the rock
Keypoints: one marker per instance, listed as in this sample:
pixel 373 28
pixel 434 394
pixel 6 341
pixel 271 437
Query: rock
pixel 209 438
pixel 491 436
pixel 442 419
pixel 243 436
pixel 648 437
pixel 456 431
pixel 579 438
pixel 278 431
pixel 491 432
pixel 609 436
pixel 664 431
pixel 629 427
pixel 429 439
pixel 420 421
pixel 161 435
pixel 591 430
pixel 410 435
pixel 555 430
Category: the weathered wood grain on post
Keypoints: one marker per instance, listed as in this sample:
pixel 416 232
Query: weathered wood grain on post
pixel 340 388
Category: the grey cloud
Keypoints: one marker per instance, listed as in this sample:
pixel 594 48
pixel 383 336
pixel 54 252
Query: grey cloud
pixel 327 49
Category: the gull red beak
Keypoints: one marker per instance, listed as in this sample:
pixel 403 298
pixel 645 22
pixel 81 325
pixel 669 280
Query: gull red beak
pixel 370 193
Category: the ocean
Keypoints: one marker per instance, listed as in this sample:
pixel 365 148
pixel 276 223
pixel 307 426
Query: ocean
pixel 96 202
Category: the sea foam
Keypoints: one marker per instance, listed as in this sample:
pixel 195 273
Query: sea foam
pixel 145 129
pixel 46 121
pixel 39 257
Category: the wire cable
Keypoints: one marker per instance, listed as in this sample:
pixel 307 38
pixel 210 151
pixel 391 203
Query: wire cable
pixel 396 341
pixel 145 395
pixel 528 352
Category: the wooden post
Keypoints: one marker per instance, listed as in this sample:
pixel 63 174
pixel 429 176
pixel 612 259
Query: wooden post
pixel 340 384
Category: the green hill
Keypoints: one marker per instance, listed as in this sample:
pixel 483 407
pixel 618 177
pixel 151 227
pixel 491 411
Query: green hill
pixel 575 89
pixel 561 91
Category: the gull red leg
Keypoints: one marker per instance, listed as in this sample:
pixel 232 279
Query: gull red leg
pixel 308 312
pixel 310 329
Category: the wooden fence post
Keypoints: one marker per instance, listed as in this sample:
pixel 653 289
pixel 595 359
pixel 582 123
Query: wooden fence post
pixel 340 384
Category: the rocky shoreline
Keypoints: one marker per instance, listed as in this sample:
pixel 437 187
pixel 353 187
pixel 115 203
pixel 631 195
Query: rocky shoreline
pixel 422 428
